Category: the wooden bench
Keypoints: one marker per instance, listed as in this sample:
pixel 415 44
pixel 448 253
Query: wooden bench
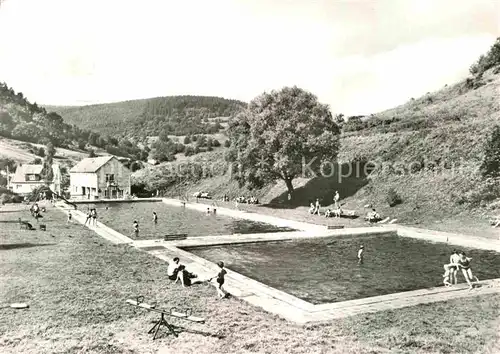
pixel 333 227
pixel 175 237
pixel 139 302
pixel 43 227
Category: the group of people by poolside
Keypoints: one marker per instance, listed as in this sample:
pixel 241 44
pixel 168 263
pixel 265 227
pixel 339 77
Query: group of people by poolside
pixel 178 273
pixel 458 261
pixel 91 217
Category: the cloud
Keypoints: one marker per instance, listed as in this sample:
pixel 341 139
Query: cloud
pixel 358 56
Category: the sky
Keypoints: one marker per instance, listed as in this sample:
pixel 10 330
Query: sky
pixel 358 56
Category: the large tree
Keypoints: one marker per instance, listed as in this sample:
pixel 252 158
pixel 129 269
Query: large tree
pixel 282 135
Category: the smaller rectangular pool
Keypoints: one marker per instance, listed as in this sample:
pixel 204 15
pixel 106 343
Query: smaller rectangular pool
pixel 325 270
pixel 173 220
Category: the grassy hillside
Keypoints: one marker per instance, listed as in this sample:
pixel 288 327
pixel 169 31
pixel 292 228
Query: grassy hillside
pixel 428 151
pixel 176 115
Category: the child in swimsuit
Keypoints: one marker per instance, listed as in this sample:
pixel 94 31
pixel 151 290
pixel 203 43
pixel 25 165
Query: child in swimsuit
pixel 220 280
pixel 136 228
pixel 361 251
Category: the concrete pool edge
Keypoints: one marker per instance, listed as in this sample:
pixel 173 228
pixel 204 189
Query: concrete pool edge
pixel 289 306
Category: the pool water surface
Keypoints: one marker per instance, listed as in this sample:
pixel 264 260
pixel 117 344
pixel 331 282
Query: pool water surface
pixel 325 270
pixel 173 220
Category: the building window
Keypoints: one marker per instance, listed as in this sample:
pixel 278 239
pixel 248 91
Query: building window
pixel 31 178
pixel 105 193
pixel 110 178
pixel 18 186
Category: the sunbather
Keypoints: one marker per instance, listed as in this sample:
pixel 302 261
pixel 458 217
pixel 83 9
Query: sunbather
pixel 173 268
pixel 373 216
pixel 185 277
pixel 311 208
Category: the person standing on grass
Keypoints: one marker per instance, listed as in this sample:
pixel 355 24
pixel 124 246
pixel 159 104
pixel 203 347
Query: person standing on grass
pixel 221 293
pixel 317 206
pixel 69 217
pixel 454 258
pixel 155 218
pixel 136 228
pixel 336 199
pixel 361 256
pixel 93 214
pixel 89 217
pixel 464 265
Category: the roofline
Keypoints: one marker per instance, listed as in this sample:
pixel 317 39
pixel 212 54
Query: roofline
pixel 112 157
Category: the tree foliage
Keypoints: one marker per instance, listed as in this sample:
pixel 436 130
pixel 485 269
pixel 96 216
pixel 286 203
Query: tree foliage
pixel 487 61
pixel 282 135
pixel 22 120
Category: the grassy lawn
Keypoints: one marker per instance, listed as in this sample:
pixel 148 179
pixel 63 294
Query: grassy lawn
pixel 76 285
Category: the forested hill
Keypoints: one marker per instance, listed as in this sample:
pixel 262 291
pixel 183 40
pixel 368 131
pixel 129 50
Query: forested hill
pixel 22 120
pixel 175 115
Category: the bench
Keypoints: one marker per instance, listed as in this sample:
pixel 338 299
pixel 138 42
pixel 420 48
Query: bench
pixel 333 227
pixel 139 302
pixel 175 237
pixel 43 227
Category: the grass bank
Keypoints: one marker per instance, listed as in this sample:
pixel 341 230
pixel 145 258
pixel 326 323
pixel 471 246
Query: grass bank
pixel 76 284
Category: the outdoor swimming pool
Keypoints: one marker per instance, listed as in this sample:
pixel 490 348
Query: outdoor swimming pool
pixel 173 220
pixel 325 270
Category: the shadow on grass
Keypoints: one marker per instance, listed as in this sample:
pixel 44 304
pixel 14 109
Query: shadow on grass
pixel 181 329
pixel 13 246
pixel 347 179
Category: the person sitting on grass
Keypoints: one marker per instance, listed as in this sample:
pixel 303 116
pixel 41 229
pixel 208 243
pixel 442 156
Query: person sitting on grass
pixel 464 265
pixel 173 268
pixel 328 213
pixel 311 208
pixel 373 216
pixel 447 274
pixel 186 277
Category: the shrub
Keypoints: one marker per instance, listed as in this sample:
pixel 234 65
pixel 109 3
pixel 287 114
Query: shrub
pixel 92 153
pixel 40 152
pixel 393 198
pixel 189 151
pixel 490 166
pixel 7 196
pixel 215 143
pixel 82 144
pixel 187 139
pixel 227 143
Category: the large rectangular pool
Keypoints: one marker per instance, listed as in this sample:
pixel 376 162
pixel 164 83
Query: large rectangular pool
pixel 324 270
pixel 173 220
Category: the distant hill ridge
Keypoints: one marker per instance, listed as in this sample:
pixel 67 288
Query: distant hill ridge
pixel 175 115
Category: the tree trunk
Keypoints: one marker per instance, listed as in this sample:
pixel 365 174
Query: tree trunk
pixel 289 186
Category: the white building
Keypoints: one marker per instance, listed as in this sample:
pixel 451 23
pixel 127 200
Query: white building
pixel 28 177
pixel 103 177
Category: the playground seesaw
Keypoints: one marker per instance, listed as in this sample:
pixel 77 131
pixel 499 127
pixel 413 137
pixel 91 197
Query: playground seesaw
pixel 139 302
